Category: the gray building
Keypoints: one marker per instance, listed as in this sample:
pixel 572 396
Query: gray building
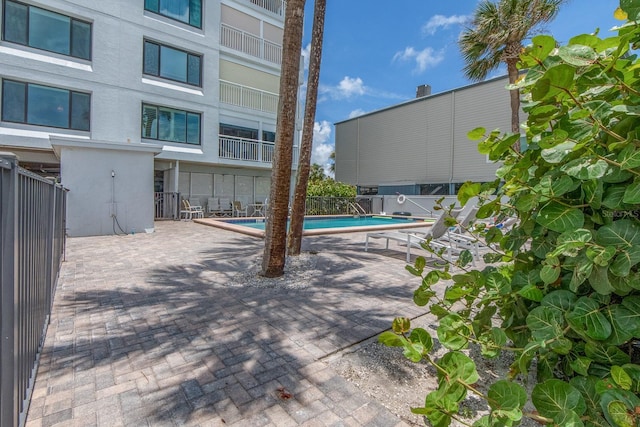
pixel 120 99
pixel 421 146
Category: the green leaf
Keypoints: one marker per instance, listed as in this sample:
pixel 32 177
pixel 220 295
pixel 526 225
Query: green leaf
pixel 561 300
pixel 422 336
pixel 624 261
pixel 558 136
pixel 587 318
pixel 624 324
pixel 578 55
pixel 571 242
pixel 555 80
pixel 401 325
pixel 558 153
pixel 593 192
pixel 560 218
pixel 553 398
pixel 458 366
pixel 629 157
pixel 620 414
pixel 581 365
pixel 390 339
pixel 545 323
pixel 549 274
pixel 492 341
pixel 585 168
pixel 507 396
pixel 453 332
pixel 467 191
pixel 623 233
pixel 606 355
pixel 613 196
pixel 476 133
pixel 632 194
pixel 541 47
pixel 531 292
pixel 621 377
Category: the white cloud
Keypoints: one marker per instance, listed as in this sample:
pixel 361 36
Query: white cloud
pixel 356 113
pixel 306 54
pixel 347 88
pixel 440 21
pixel 351 86
pixel 322 148
pixel 426 58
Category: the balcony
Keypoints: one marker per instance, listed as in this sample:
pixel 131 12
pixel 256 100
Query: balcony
pixel 276 7
pixel 247 97
pixel 249 150
pixel 244 42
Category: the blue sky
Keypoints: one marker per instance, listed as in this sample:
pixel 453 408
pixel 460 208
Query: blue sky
pixel 376 52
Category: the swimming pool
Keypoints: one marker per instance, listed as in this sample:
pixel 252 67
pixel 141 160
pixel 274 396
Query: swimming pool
pixel 317 225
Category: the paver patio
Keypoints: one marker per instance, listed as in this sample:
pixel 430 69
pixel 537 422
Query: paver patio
pixel 157 330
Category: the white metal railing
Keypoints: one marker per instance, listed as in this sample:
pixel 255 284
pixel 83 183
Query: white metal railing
pixel 248 97
pixel 249 150
pixel 242 41
pixel 274 6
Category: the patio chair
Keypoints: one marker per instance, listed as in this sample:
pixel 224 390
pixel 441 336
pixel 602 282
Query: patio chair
pixel 225 207
pixel 189 212
pixel 213 206
pixel 238 210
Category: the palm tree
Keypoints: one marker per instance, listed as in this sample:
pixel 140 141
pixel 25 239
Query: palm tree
pixel 495 36
pixel 300 194
pixel 332 157
pixel 275 242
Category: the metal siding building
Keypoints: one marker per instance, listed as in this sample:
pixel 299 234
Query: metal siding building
pixel 423 141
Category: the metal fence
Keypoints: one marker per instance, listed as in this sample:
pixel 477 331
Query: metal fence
pixel 32 241
pixel 167 205
pixel 336 206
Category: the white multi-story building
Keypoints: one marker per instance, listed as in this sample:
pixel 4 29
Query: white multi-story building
pixel 124 98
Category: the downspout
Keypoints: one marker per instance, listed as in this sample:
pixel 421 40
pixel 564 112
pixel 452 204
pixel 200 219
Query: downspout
pixel 453 139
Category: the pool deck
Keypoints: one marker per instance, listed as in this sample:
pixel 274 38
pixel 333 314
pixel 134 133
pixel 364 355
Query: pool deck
pixel 159 329
pixel 228 224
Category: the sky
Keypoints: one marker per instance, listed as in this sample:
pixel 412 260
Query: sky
pixel 375 53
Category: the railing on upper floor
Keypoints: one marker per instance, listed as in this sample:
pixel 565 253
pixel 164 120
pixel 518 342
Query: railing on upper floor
pixel 249 150
pixel 32 242
pixel 250 44
pixel 248 97
pixel 274 6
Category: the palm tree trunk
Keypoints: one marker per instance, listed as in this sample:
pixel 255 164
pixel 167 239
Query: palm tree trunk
pixel 300 194
pixel 275 241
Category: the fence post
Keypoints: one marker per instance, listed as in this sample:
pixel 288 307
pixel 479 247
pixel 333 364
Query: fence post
pixel 8 280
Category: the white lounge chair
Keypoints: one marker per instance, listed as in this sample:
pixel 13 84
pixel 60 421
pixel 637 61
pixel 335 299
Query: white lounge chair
pixel 432 237
pixel 238 210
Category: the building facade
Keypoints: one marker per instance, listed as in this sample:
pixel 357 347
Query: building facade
pixel 420 147
pixel 153 95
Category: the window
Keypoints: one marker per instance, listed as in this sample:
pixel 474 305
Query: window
pixel 238 131
pixel 39 28
pixel 169 124
pixel 45 106
pixel 172 64
pixel 187 11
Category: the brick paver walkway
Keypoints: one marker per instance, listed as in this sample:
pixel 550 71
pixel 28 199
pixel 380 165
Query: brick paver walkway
pixel 155 330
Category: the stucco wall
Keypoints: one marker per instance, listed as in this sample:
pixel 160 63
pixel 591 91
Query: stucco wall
pixel 99 203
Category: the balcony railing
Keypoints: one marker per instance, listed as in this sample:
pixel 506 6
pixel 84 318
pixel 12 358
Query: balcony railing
pixel 244 42
pixel 249 150
pixel 244 96
pixel 274 6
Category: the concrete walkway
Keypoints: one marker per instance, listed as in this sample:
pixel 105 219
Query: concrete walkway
pixel 159 330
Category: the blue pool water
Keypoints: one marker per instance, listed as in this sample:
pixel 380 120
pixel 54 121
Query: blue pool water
pixel 311 223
